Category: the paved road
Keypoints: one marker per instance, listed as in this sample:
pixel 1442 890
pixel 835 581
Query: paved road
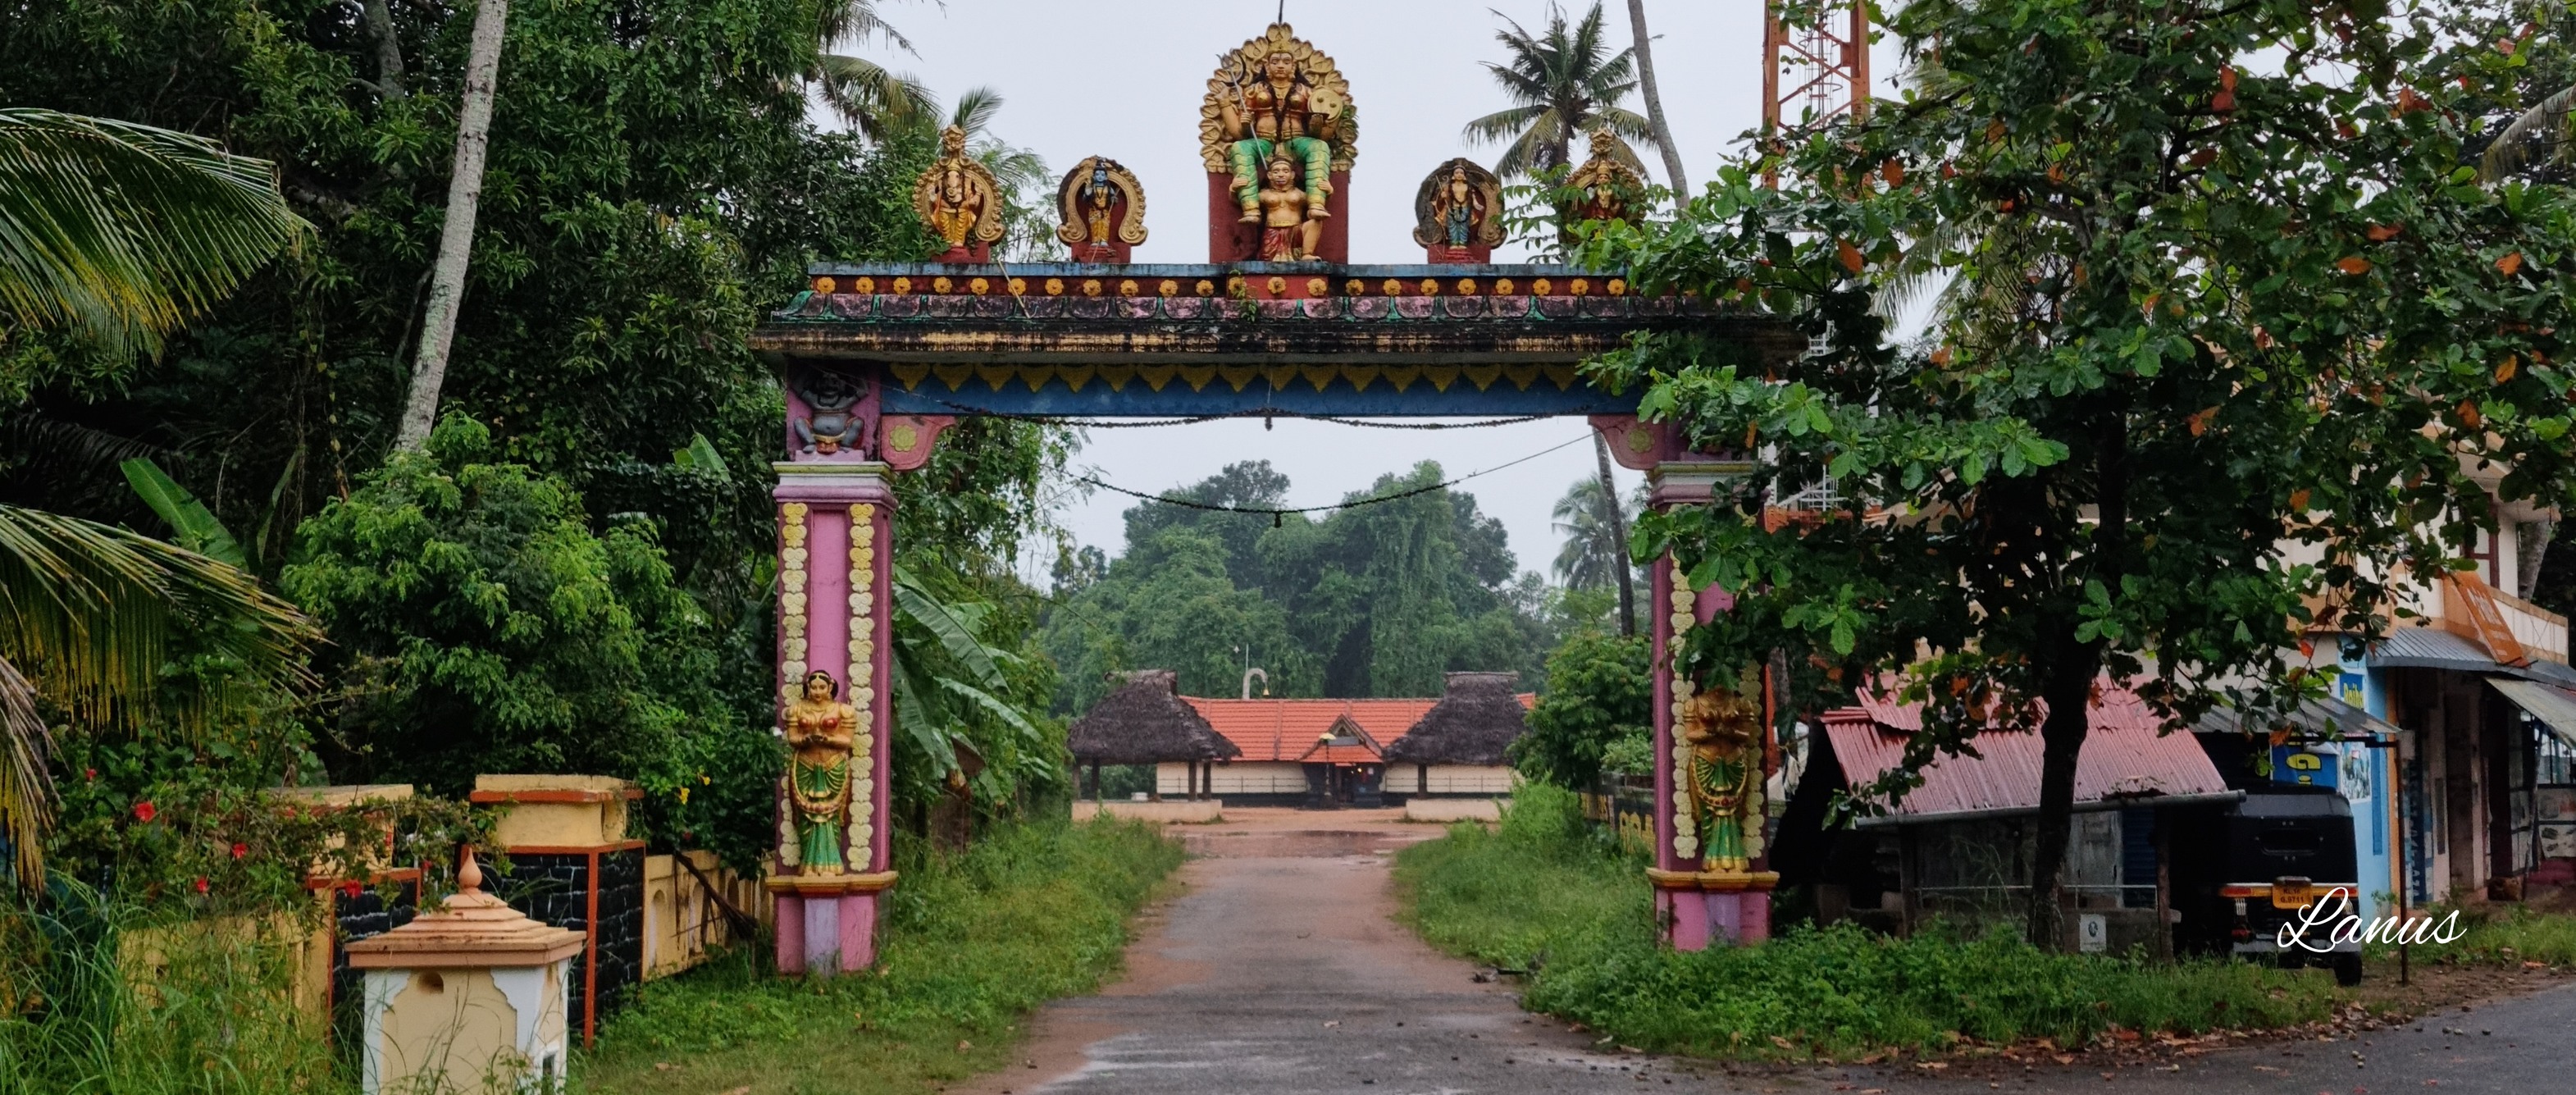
pixel 1280 972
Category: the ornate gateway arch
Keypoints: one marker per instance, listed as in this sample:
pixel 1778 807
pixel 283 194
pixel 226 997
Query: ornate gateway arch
pixel 878 358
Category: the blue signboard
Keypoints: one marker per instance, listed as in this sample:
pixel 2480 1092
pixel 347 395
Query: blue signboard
pixel 2305 767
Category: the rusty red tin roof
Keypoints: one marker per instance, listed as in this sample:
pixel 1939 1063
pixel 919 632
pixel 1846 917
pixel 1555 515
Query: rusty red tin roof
pixel 1286 730
pixel 2126 759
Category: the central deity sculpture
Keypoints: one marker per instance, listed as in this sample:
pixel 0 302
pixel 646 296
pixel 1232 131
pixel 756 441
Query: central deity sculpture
pixel 1722 730
pixel 960 201
pixel 1277 99
pixel 823 733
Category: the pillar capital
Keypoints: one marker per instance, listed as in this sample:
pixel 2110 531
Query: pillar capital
pixel 844 483
pixel 1693 480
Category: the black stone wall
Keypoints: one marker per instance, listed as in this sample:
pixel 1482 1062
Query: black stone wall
pixel 556 888
pixel 358 914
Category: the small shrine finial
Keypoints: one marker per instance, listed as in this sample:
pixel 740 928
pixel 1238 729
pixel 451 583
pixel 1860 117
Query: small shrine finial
pixel 1283 12
pixel 469 875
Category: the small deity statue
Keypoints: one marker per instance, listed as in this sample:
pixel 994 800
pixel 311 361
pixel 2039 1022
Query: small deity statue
pixel 831 422
pixel 822 732
pixel 1723 730
pixel 1610 188
pixel 1455 210
pixel 1288 232
pixel 959 200
pixel 1103 211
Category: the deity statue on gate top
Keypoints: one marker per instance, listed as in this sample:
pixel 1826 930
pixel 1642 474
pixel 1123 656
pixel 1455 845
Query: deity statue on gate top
pixel 823 734
pixel 1277 94
pixel 1456 212
pixel 960 201
pixel 1721 731
pixel 1611 189
pixel 1103 210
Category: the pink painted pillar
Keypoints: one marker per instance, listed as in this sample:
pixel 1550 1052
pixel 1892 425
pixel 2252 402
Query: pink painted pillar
pixel 835 617
pixel 1693 909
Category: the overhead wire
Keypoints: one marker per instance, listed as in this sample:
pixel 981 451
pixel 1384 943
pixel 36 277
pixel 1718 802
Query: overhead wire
pixel 1279 512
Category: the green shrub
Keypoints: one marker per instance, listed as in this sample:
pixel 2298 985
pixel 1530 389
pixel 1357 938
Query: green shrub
pixel 1542 893
pixel 969 943
pixel 2507 935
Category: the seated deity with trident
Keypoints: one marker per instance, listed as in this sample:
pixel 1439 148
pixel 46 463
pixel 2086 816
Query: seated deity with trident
pixel 1280 109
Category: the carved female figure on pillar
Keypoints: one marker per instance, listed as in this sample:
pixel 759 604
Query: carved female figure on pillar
pixel 821 730
pixel 1723 730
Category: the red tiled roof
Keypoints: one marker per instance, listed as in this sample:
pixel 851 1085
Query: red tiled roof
pixel 1285 730
pixel 2125 757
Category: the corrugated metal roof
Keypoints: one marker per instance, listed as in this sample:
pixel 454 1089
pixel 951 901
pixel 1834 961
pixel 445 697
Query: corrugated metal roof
pixel 2430 648
pixel 2554 707
pixel 2328 718
pixel 2125 758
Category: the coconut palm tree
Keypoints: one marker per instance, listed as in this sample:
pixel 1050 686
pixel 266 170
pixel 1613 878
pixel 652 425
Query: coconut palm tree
pixel 115 233
pixel 1564 84
pixel 1592 554
pixel 871 99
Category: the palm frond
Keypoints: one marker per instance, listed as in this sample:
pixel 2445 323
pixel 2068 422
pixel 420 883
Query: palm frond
pixel 121 232
pixel 870 98
pixel 91 613
pixel 856 21
pixel 26 795
pixel 1502 125
pixel 2551 125
pixel 975 110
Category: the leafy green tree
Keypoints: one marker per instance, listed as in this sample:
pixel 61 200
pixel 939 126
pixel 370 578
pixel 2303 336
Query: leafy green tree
pixel 479 625
pixel 1599 698
pixel 2257 334
pixel 1169 603
pixel 1563 83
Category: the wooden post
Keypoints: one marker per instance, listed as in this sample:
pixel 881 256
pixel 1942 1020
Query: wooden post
pixel 2164 887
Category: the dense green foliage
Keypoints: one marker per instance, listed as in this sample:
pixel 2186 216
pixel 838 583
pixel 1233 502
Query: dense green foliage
pixel 1375 600
pixel 1541 893
pixel 1597 713
pixel 586 602
pixel 2232 339
pixel 970 944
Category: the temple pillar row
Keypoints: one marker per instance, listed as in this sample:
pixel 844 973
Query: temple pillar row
pixel 835 569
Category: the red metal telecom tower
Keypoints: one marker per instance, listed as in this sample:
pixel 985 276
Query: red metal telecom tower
pixel 1813 74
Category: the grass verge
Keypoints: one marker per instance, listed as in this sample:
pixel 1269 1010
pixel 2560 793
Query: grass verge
pixel 970 944
pixel 1539 892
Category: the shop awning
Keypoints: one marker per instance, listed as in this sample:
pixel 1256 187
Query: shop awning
pixel 2323 719
pixel 2554 707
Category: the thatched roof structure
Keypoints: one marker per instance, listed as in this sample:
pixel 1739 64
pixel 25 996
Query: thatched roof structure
pixel 1477 716
pixel 1145 722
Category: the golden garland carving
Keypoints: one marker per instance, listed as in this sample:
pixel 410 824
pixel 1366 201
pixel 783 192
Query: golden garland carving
pixel 863 682
pixel 1684 614
pixel 1244 62
pixel 792 557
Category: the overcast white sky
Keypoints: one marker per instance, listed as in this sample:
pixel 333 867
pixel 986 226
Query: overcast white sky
pixel 1124 78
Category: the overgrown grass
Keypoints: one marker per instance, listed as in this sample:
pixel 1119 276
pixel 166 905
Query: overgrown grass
pixel 2502 935
pixel 1540 892
pixel 971 943
pixel 98 1001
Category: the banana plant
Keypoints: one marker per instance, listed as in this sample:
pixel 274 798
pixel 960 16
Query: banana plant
pixel 950 684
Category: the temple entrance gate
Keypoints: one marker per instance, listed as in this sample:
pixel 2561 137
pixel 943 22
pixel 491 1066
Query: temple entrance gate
pixel 878 358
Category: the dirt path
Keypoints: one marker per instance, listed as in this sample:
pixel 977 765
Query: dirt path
pixel 1281 971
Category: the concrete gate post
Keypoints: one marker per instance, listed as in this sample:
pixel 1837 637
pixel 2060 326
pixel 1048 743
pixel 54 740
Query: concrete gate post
pixel 835 619
pixel 1696 903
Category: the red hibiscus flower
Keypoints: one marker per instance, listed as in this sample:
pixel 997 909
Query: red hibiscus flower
pixel 145 812
pixel 202 885
pixel 240 850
